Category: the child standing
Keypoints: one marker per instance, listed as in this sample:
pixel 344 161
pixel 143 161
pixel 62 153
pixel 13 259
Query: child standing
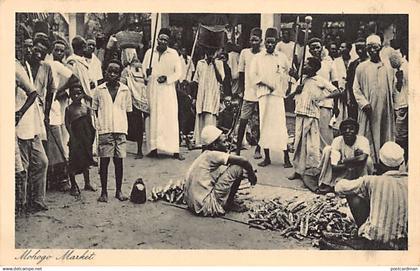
pixel 111 103
pixel 78 121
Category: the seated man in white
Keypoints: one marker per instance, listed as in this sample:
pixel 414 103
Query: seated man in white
pixel 347 157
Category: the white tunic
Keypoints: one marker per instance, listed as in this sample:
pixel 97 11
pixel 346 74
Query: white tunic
pixel 162 131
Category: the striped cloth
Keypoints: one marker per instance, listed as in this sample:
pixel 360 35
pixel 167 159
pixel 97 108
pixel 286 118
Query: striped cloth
pixel 314 90
pixel 388 221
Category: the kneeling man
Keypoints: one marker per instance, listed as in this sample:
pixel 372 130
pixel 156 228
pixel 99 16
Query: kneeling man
pixel 214 177
pixel 347 157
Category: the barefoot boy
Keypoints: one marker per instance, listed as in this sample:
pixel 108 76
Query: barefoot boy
pixel 112 101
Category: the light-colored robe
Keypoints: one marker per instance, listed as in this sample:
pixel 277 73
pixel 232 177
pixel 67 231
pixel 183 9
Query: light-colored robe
pixel 271 69
pixel 374 85
pixel 162 131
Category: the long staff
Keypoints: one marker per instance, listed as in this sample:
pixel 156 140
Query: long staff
pixel 308 20
pixel 192 52
pixel 297 27
pixel 153 43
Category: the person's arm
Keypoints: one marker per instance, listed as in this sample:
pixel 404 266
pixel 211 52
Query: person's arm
pixel 351 162
pixel 349 187
pixel 61 91
pixel 241 69
pixel 29 101
pixel 245 164
pixel 51 88
pixel 177 72
pixel 217 72
pixel 358 94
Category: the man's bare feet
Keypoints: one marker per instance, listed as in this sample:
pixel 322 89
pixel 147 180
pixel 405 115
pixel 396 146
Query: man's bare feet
pixel 119 195
pixel 103 198
pixel 294 176
pixel 178 156
pixel 264 163
pixel 89 187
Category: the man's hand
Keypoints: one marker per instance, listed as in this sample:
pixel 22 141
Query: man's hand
pixel 293 73
pixel 47 121
pixel 367 109
pixel 358 152
pixel 148 72
pixel 299 89
pixel 252 178
pixel 336 111
pixel 162 79
pixel 399 75
pixel 88 98
pixel 18 117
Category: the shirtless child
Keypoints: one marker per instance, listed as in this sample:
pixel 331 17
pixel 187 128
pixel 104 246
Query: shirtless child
pixel 78 120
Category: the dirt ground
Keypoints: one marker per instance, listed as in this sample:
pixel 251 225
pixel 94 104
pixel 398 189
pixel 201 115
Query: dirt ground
pixel 85 223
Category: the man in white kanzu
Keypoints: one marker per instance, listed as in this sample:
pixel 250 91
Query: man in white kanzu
pixel 269 74
pixel 162 129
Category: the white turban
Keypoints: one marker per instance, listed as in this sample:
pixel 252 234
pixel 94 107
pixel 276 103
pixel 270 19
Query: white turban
pixel 373 39
pixel 210 133
pixel 391 154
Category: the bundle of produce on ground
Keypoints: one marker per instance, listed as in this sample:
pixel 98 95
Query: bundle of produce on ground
pixel 173 192
pixel 316 218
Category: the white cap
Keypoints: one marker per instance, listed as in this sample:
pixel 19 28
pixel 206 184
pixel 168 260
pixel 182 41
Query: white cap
pixel 373 39
pixel 209 134
pixel 391 154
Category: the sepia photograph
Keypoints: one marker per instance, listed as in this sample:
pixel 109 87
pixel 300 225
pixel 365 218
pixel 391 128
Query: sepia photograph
pixel 262 131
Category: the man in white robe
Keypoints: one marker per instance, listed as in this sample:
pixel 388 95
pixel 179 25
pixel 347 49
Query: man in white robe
pixel 162 129
pixel 269 73
pixel 373 88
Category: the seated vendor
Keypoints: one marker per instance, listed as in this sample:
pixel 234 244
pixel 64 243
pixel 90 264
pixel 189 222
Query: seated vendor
pixel 379 204
pixel 214 177
pixel 347 157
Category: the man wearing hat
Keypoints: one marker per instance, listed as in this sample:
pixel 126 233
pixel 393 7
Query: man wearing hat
pixel 269 75
pixel 372 88
pixel 348 157
pixel 162 129
pixel 250 100
pixel 214 177
pixel 379 204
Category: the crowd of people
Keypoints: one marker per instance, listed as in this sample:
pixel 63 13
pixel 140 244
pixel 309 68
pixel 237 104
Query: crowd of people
pixel 351 118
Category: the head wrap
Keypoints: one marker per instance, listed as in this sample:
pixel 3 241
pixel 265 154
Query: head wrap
pixel 256 31
pixel 271 33
pixel 373 39
pixel 391 154
pixel 210 133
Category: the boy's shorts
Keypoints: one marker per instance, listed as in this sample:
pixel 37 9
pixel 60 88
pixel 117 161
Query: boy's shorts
pixel 248 109
pixel 112 145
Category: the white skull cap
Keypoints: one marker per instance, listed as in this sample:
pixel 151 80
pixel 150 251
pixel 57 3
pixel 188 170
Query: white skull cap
pixel 391 154
pixel 210 133
pixel 372 39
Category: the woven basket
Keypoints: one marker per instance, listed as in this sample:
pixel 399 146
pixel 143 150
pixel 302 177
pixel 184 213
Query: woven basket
pixel 129 39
